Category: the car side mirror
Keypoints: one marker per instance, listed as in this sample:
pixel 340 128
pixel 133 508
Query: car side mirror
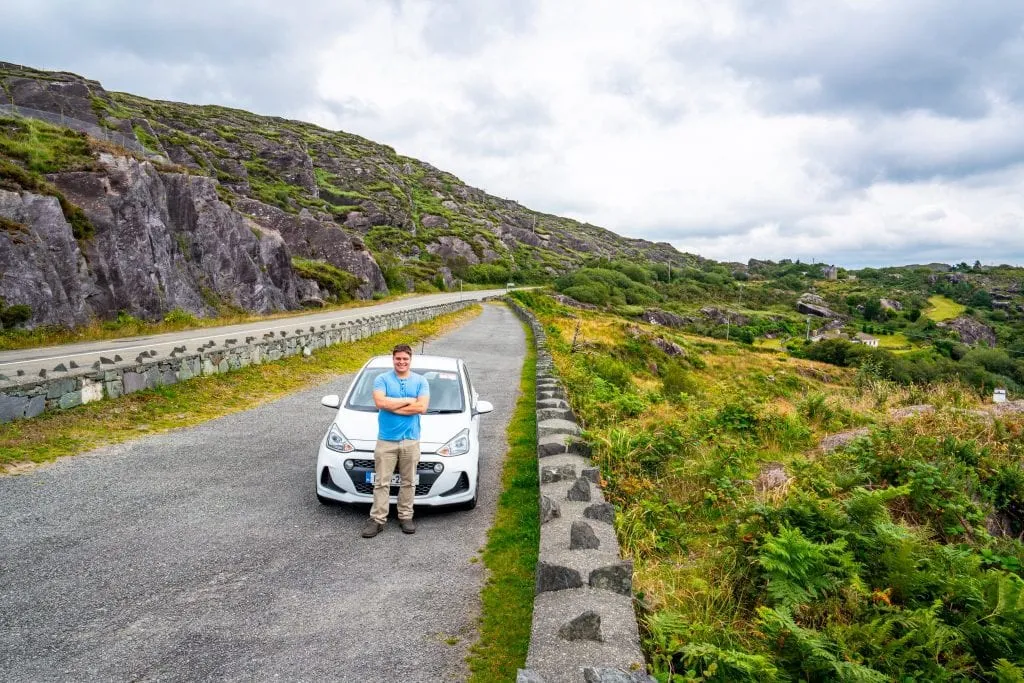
pixel 482 407
pixel 331 401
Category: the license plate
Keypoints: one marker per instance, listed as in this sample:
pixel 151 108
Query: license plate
pixel 396 479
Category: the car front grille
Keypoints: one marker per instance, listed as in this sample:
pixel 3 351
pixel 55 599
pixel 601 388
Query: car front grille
pixel 367 489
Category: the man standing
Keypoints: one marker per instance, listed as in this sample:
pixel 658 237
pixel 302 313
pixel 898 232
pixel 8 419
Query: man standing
pixel 401 396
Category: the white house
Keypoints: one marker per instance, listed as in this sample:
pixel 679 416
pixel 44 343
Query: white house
pixel 999 396
pixel 866 339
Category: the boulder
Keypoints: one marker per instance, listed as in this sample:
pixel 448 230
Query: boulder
pixel 656 316
pixel 971 330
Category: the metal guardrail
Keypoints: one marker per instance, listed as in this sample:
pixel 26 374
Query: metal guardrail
pixel 99 132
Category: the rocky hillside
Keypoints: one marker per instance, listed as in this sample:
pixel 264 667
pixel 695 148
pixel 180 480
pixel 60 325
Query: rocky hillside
pixel 165 206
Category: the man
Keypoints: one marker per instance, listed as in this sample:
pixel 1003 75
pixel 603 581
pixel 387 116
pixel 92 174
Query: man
pixel 401 396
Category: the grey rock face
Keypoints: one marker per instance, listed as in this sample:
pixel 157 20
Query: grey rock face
pixel 308 237
pixel 553 577
pixel 591 474
pixel 614 577
pixel 586 626
pixel 656 316
pixel 582 537
pixel 42 265
pixel 603 512
pixel 553 473
pixel 163 239
pixel 72 98
pixel 549 509
pixel 449 247
pixel 721 317
pixel 607 675
pixel 971 331
pixel 579 491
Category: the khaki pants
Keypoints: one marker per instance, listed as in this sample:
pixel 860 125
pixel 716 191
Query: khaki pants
pixel 406 454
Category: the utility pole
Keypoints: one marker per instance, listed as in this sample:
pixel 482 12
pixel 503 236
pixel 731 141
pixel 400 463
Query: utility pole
pixel 808 328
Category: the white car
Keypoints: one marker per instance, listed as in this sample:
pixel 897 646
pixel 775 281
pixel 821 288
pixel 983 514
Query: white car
pixel 448 472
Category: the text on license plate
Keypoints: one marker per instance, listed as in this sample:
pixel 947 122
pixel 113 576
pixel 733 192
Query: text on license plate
pixel 396 479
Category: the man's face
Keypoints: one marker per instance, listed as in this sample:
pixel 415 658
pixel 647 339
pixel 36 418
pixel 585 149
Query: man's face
pixel 401 361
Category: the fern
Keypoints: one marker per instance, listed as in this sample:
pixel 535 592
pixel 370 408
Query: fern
pixel 798 570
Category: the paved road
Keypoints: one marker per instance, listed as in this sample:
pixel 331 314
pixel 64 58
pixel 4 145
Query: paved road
pixel 31 361
pixel 203 554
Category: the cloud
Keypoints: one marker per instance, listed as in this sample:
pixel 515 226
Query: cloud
pixel 858 131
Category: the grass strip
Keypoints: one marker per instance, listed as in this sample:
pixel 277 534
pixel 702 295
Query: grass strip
pixel 512 545
pixel 56 434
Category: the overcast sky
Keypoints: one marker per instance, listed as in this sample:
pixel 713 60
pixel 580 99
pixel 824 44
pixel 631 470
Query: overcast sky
pixel 857 132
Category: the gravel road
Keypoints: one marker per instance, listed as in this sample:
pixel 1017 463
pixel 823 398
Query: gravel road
pixel 203 554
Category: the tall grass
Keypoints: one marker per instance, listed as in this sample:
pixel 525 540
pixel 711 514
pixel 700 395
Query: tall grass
pixel 512 545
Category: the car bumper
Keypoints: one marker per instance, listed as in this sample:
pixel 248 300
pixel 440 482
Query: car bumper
pixel 454 485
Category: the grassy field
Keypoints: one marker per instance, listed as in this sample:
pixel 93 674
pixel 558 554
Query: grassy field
pixel 53 435
pixel 894 342
pixel 943 308
pixel 512 543
pixel 760 556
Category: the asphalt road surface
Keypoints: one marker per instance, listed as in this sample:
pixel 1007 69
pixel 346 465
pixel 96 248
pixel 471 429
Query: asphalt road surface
pixel 31 361
pixel 203 553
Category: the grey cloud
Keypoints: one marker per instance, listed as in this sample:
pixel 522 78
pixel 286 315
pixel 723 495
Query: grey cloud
pixel 247 54
pixel 463 27
pixel 889 57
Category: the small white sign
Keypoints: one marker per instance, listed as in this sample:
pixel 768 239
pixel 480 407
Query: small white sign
pixel 999 396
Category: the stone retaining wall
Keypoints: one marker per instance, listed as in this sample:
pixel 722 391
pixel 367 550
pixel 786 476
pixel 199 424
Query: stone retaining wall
pixel 584 627
pixel 62 388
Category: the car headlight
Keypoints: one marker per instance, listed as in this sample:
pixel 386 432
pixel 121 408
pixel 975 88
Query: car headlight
pixel 459 445
pixel 337 441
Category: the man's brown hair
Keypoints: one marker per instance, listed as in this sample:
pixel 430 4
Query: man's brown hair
pixel 402 348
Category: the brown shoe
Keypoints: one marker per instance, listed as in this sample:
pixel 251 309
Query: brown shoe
pixel 372 528
pixel 408 526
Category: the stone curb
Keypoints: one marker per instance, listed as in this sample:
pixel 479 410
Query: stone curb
pixel 62 388
pixel 584 625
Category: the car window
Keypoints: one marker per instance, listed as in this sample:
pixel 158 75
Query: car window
pixel 445 392
pixel 361 397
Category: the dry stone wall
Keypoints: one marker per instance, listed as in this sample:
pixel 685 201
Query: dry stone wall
pixel 68 386
pixel 584 625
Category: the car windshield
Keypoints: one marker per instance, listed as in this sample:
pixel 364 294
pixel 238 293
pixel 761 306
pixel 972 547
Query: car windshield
pixel 445 390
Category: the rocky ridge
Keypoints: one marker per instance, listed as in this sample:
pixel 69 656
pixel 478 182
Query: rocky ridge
pixel 228 209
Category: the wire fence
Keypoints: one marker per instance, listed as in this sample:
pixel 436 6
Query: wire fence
pixel 99 132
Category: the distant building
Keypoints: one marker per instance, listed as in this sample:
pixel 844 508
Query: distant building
pixel 865 339
pixel 830 334
pixel 999 396
pixel 831 272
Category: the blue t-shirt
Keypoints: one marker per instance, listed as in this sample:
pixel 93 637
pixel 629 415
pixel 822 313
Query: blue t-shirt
pixel 393 427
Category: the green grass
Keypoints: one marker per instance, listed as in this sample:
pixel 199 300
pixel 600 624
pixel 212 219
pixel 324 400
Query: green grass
pixel 894 342
pixel 511 552
pixel 57 434
pixel 943 308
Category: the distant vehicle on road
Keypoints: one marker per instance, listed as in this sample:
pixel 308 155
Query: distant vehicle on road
pixel 448 472
pixel 510 285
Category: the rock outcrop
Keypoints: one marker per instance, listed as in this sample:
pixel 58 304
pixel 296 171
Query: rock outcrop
pixel 971 330
pixel 812 304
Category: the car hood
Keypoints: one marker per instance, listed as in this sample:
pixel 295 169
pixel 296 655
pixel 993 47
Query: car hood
pixel 435 430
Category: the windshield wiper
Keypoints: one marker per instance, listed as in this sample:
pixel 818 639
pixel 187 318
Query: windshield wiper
pixel 447 411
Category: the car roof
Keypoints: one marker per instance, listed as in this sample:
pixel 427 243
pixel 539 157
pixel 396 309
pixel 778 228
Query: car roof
pixel 418 361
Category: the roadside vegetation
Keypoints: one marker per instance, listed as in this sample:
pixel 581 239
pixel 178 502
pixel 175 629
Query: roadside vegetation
pixel 512 545
pixel 53 435
pixel 794 520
